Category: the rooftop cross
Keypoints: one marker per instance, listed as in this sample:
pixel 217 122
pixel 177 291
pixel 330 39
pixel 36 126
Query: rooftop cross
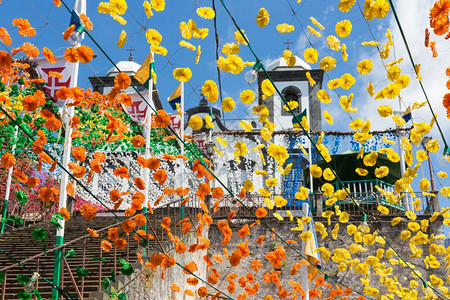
pixel 131 49
pixel 287 43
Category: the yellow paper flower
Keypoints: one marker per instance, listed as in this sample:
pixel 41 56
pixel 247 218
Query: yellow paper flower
pixel 442 174
pixel 361 171
pixel 289 58
pixel 153 37
pixel 311 81
pixel 384 110
pixel 371 43
pixel 262 18
pixel 421 155
pixel 279 201
pixel 381 172
pixel 210 91
pixel 424 184
pixel 228 104
pixel 182 74
pixel 235 64
pixel 344 217
pixel 285 28
pixel 278 152
pixel 432 145
pixel 403 80
pixel 302 194
pixel 185 31
pixel 323 96
pixel 328 174
pixel 370 159
pixel 327 189
pixel 241 148
pixel 334 83
pixel 230 48
pixel 315 22
pixel 118 18
pixel 195 122
pixel 344 52
pixel 380 8
pixel 343 28
pixel 118 6
pixel 311 55
pixel 271 182
pixel 393 72
pixel 222 141
pixel 327 63
pixel 269 203
pixel 314 32
pixel 159 50
pixel 328 117
pixel 334 43
pixel 364 66
pixel 347 81
pixel 247 96
pixel 148 9
pixel 122 39
pixel 239 38
pixel 246 126
pixel 316 171
pixel 187 45
pixel 267 88
pixel 345 5
pixel 158 5
pixel 291 104
pixel 206 12
pixel 248 186
pixel 197 55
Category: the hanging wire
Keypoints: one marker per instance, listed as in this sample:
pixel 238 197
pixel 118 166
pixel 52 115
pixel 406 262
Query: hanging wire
pixel 298 121
pixel 413 65
pixel 104 205
pixel 206 165
pixel 66 294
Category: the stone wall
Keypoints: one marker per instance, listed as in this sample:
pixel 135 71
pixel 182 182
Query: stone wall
pixel 146 284
pixel 343 240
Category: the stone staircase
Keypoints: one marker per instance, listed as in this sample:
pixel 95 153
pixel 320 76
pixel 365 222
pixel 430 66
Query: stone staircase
pixel 20 244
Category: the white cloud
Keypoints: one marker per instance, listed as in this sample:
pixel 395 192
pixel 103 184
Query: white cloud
pixel 413 16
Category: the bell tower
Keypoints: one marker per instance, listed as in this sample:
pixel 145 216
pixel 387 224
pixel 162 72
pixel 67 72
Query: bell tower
pixel 293 84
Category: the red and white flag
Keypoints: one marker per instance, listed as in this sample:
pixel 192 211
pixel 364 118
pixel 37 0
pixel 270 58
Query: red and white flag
pixel 53 84
pixel 138 110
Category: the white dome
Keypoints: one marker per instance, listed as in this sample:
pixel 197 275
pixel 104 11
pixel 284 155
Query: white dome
pixel 129 67
pixel 280 63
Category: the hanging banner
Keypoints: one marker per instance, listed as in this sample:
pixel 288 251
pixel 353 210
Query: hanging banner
pixel 53 84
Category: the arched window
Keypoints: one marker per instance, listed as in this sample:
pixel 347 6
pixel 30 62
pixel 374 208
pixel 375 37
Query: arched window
pixel 291 93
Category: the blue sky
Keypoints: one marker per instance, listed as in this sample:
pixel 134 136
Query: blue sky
pixel 268 44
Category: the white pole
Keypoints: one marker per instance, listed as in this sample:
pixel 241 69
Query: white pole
pixel 147 133
pixel 67 115
pixel 308 118
pixel 304 279
pixel 182 145
pixel 8 187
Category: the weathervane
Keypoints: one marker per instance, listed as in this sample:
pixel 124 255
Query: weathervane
pixel 131 49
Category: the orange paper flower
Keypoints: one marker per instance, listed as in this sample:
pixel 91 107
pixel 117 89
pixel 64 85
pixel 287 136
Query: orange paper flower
pixel 162 119
pixel 88 211
pixel 84 54
pixel 8 160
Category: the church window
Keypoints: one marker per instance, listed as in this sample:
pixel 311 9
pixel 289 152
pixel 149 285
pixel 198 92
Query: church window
pixel 291 93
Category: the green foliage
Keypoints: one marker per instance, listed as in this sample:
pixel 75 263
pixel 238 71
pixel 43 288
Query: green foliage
pixel 82 272
pixel 22 279
pixel 23 296
pixel 21 196
pixel 69 253
pixel 39 234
